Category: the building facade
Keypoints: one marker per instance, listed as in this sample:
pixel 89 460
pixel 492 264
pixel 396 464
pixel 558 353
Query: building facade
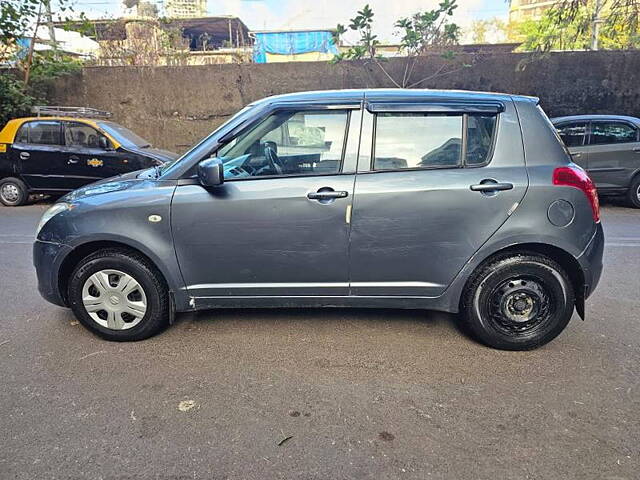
pixel 521 10
pixel 186 8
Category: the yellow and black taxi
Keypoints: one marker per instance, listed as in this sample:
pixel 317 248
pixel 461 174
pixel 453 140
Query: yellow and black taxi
pixel 64 148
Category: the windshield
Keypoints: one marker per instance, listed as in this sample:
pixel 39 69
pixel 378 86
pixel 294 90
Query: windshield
pixel 123 135
pixel 202 146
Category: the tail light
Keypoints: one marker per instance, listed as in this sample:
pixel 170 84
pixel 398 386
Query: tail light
pixel 573 176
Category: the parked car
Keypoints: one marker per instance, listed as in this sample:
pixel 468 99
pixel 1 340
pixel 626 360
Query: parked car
pixel 608 148
pixel 57 154
pixel 363 198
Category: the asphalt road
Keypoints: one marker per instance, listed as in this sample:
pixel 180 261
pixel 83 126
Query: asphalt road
pixel 317 394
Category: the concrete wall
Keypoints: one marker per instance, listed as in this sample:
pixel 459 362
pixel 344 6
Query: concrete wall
pixel 173 107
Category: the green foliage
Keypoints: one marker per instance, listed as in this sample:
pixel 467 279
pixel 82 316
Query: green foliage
pixel 17 96
pixel 14 101
pixel 570 26
pixel 421 33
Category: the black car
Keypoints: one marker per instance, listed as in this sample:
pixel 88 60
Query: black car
pixel 54 155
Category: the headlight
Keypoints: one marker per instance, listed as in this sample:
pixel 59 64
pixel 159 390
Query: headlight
pixel 55 209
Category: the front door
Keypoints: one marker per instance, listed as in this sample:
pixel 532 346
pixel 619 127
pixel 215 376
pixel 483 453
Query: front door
pixel 614 154
pixel 277 226
pixel 37 150
pixel 89 155
pixel 429 194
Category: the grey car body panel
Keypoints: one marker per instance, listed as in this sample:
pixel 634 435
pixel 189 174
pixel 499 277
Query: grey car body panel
pixel 118 211
pixel 611 166
pixel 262 242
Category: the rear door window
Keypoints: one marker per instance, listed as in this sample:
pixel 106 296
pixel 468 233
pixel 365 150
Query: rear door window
pixel 605 133
pixel 43 132
pixel 573 134
pixel 417 140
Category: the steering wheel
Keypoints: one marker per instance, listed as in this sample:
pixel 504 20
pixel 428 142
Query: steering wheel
pixel 272 157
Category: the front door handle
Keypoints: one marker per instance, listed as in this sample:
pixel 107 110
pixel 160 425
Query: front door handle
pixel 24 155
pixel 488 186
pixel 326 195
pixel 73 160
pixel 636 150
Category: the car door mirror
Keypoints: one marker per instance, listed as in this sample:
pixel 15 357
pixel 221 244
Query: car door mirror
pixel 211 172
pixel 103 143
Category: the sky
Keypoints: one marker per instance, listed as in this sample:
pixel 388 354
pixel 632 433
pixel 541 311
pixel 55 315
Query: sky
pixel 282 14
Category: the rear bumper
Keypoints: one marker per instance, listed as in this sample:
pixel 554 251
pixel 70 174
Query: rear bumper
pixel 591 261
pixel 47 258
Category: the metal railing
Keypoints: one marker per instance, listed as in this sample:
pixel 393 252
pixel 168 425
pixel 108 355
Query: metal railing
pixel 59 111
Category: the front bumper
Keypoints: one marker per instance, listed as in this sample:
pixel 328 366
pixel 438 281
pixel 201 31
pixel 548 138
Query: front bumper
pixel 591 261
pixel 48 258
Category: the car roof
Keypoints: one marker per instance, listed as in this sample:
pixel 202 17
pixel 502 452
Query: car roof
pixel 8 132
pixel 391 94
pixel 575 118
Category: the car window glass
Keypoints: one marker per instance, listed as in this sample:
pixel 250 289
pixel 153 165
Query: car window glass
pixel 288 143
pixel 45 133
pixel 480 131
pixel 573 134
pixel 603 133
pixel 417 140
pixel 23 134
pixel 82 135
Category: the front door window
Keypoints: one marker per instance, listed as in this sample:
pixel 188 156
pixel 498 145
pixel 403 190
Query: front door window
pixel 288 143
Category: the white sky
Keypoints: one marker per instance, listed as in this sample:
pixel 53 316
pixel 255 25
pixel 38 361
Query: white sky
pixel 278 14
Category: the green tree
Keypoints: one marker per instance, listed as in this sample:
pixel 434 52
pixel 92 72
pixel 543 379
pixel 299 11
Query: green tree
pixel 583 25
pixel 424 32
pixel 27 84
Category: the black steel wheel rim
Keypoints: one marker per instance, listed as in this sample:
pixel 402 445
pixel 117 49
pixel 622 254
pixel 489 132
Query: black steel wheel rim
pixel 520 305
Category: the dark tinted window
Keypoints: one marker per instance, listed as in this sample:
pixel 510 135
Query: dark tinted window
pixel 43 132
pixel 573 134
pixel 603 133
pixel 23 134
pixel 417 140
pixel 481 129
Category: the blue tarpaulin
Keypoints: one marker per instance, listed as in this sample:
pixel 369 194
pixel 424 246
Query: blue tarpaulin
pixel 292 43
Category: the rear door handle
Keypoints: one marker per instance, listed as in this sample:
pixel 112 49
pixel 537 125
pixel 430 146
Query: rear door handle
pixel 491 186
pixel 636 150
pixel 24 155
pixel 73 160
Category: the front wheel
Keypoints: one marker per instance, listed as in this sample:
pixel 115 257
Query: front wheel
pixel 119 295
pixel 518 302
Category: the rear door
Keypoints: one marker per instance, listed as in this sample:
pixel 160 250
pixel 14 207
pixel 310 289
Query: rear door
pixel 614 153
pixel 431 189
pixel 575 135
pixel 37 150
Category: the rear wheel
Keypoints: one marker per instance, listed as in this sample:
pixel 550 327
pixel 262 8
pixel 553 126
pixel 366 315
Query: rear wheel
pixel 13 192
pixel 518 302
pixel 634 192
pixel 119 296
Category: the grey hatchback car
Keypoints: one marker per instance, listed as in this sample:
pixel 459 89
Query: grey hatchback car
pixel 443 200
pixel 608 148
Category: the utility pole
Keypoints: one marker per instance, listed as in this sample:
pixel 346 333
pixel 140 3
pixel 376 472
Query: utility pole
pixel 52 30
pixel 595 25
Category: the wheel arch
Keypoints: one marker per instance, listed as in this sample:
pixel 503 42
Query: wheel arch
pixel 565 259
pixel 83 250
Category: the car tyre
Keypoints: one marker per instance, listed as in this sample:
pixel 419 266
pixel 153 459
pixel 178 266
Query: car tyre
pixel 119 295
pixel 518 302
pixel 13 192
pixel 634 192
